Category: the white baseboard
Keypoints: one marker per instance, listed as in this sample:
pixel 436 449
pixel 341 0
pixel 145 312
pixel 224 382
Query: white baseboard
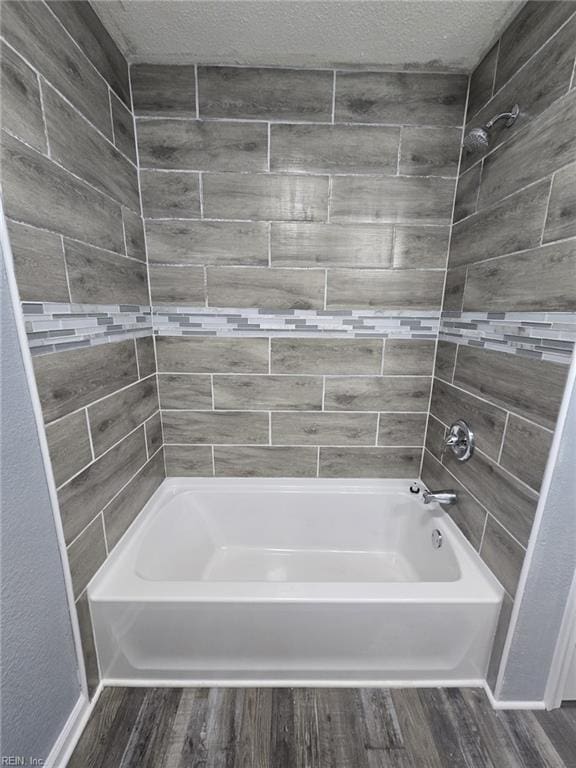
pixel 500 704
pixel 70 734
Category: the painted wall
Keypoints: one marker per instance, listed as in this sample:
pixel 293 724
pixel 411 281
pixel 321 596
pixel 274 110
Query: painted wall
pixel 71 196
pixel 297 227
pixel 39 670
pixel 511 255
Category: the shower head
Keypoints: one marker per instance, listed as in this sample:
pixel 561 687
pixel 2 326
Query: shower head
pixel 477 139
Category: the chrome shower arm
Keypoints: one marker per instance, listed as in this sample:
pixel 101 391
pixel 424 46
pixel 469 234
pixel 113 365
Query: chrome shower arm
pixel 510 117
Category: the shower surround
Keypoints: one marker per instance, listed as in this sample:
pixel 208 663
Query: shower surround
pixel 285 234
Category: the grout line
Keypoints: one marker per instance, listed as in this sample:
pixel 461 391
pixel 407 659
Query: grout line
pixel 205 279
pixel 213 460
pixel 269 427
pixel 104 533
pixel 211 393
pixel 378 435
pixel 353 446
pixel 137 362
pixel 200 193
pixel 269 147
pixel 493 88
pixel 111 116
pixel 196 92
pixel 399 152
pixel 89 438
pixel 546 212
pixel 382 357
pixel 503 437
pixel 330 190
pixel 295 121
pixel 269 355
pixel 323 404
pixel 573 78
pixel 325 289
pixel 317 461
pixel 486 515
pixel 66 274
pixel 454 371
pixel 269 228
pixel 146 441
pixel 43 113
pixel 333 97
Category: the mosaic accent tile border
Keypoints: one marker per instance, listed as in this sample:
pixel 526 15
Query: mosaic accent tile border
pixel 346 323
pixel 54 327
pixel 540 335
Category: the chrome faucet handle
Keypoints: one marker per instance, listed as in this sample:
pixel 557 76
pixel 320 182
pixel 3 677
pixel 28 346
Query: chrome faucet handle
pixel 461 440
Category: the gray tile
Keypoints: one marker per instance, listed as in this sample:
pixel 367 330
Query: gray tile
pixel 334 148
pixel 170 194
pixel 123 510
pixel 530 29
pixel 499 641
pixel 402 428
pixel 384 393
pixel 509 501
pixel 449 404
pixel 512 225
pixel 326 355
pixel 21 105
pixel 544 145
pixel 445 360
pixel 146 356
pixel 211 355
pixel 421 247
pixel 435 437
pixel 197 145
pixel 159 89
pixel 177 285
pixel 430 151
pixel 324 428
pixel 331 245
pixel 69 446
pixel 482 82
pixel 86 555
pixel 535 88
pixel 39 38
pixel 83 497
pixel 468 515
pixel 154 437
pixel 134 234
pixel 78 147
pixel 540 279
pixel 530 388
pixel 116 415
pixel 185 391
pixel 467 193
pixel 100 277
pixel 38 192
pixel 188 460
pixel 218 243
pixel 265 197
pixel 69 380
pixel 454 289
pixel 236 427
pixel 295 393
pixel 525 450
pixel 86 28
pixel 88 647
pixel 123 125
pixel 264 461
pixel 370 462
pixel 401 98
pixel 561 218
pixel 269 94
pixel 502 555
pixel 265 288
pixel 392 199
pixel 384 289
pixel 409 356
pixel 39 263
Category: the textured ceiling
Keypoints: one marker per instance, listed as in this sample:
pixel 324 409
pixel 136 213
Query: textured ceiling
pixel 432 34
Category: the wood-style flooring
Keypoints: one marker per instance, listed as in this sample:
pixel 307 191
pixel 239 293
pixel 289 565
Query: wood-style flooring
pixel 319 728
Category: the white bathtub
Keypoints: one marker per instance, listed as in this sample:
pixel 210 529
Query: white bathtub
pixel 293 582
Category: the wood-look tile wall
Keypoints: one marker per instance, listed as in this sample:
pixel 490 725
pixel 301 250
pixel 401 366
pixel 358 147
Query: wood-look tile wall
pixel 296 189
pixel 513 248
pixel 71 195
